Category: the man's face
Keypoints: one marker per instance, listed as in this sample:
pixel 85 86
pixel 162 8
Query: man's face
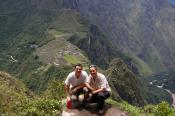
pixel 93 71
pixel 78 69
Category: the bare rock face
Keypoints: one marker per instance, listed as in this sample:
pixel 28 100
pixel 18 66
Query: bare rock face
pixel 109 111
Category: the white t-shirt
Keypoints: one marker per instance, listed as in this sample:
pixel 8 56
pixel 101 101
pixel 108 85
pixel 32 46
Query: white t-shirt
pixel 99 82
pixel 72 81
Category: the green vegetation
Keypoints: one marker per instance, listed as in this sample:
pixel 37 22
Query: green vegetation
pixel 166 78
pixel 42 107
pixel 143 67
pixel 164 109
pixel 71 59
pixel 48 104
pixel 161 109
pixel 15 99
pixel 125 83
pixel 38 80
pixel 60 52
pixel 13 94
pixel 25 29
pixel 69 21
pixel 56 34
pixel 131 110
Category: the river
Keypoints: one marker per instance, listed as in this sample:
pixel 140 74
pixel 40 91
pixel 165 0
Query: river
pixel 173 96
pixel 161 87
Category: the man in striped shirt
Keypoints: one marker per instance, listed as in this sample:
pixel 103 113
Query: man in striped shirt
pixel 99 87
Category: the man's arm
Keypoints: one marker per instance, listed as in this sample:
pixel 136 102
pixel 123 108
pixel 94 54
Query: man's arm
pixel 89 87
pixel 102 86
pixel 67 92
pixel 79 87
pixel 98 90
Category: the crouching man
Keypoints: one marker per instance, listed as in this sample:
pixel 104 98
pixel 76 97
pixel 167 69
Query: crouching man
pixel 99 87
pixel 75 84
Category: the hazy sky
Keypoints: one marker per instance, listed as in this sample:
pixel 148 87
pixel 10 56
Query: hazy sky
pixel 172 1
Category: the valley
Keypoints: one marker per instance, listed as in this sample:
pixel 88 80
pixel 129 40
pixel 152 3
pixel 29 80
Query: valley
pixel 131 41
pixel 164 81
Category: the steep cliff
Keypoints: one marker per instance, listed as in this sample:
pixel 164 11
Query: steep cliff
pixel 125 83
pixel 142 30
pixel 99 49
pixel 139 32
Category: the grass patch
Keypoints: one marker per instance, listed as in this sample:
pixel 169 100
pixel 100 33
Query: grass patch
pixel 161 109
pixel 131 110
pixel 71 59
pixel 143 68
pixel 81 35
pixel 56 33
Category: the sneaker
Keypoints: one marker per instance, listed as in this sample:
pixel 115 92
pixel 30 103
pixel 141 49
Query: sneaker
pixel 101 111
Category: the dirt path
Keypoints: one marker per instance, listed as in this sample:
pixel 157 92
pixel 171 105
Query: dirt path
pixel 109 111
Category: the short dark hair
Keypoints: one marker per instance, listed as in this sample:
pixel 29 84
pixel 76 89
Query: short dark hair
pixel 78 65
pixel 93 66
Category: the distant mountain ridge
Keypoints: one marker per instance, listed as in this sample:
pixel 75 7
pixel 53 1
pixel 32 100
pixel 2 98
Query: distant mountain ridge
pixel 104 30
pixel 142 30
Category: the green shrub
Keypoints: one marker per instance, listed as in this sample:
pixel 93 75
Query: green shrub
pixel 164 109
pixel 131 110
pixel 55 90
pixel 149 108
pixel 42 107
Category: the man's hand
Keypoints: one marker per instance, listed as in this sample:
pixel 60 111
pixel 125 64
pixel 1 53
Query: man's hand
pixel 89 87
pixel 74 90
pixel 90 94
pixel 68 98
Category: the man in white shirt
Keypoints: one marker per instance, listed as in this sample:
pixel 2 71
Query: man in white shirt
pixel 75 83
pixel 99 87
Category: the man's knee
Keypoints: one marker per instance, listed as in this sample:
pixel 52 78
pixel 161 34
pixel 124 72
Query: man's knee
pixel 103 95
pixel 81 97
pixel 73 97
pixel 100 96
pixel 85 90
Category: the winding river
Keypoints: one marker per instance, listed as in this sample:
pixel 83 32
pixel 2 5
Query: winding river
pixel 172 94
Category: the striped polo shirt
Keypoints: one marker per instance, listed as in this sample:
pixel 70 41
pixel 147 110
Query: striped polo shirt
pixel 99 82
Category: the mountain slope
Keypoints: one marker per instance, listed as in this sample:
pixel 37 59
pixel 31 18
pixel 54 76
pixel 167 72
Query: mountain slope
pixel 125 83
pixel 142 30
pixel 112 29
pixel 28 25
pixel 12 93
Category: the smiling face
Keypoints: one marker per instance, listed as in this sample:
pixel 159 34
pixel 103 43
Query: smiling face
pixel 78 70
pixel 93 71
